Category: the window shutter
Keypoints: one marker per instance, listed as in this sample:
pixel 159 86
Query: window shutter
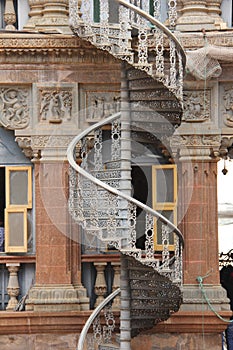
pixel 164 198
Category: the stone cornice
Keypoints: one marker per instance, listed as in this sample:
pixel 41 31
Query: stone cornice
pixel 197 40
pixel 50 48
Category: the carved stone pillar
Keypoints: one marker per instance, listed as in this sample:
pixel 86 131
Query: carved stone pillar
pixel 9 15
pixel 35 14
pixel 194 16
pixel 100 283
pixel 116 283
pixel 13 285
pixel 197 214
pixel 55 16
pixel 215 12
pixel 52 15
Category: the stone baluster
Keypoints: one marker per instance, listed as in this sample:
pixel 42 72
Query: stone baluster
pixel 13 285
pixel 116 283
pixel 9 15
pixel 100 283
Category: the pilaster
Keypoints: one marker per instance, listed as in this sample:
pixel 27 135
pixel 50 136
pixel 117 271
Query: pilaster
pixel 197 145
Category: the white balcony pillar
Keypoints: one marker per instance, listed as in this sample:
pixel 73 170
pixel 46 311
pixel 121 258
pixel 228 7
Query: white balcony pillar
pixel 13 285
pixel 100 283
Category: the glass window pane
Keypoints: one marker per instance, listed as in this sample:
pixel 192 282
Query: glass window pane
pixel 165 185
pixel 19 187
pixel 16 229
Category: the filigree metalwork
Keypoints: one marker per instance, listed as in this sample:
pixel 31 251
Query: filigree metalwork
pixel 98 161
pixel 165 243
pixel 103 334
pixel 132 225
pixel 116 149
pixel 149 234
pixel 172 13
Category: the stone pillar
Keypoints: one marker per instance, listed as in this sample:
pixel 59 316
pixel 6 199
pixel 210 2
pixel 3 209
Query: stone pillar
pixel 116 283
pixel 53 289
pixel 13 285
pixel 100 283
pixel 9 15
pixel 194 16
pixel 198 215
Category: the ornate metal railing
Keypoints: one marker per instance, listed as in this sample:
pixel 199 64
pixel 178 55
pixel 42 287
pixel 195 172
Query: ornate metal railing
pixel 133 35
pixel 108 214
pixel 100 334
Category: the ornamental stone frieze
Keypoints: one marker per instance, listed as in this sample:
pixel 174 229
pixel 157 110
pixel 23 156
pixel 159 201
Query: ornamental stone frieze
pixel 14 107
pixel 24 48
pixel 196 106
pixel 199 145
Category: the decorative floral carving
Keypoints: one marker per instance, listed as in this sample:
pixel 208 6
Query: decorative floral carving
pixel 55 105
pixel 196 106
pixel 14 111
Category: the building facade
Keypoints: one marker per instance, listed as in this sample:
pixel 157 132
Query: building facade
pixel 54 85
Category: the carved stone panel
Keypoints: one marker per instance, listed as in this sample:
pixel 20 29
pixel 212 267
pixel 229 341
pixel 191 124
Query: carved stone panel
pixel 98 102
pixel 196 106
pixel 14 107
pixel 226 105
pixel 55 103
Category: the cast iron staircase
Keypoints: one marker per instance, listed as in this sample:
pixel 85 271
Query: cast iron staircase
pixel 100 157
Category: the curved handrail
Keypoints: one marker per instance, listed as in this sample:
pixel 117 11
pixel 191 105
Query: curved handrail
pixel 97 310
pixel 72 162
pixel 157 24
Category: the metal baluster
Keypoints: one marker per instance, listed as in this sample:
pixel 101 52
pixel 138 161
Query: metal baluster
pixel 132 225
pixel 116 138
pixel 98 147
pixel 172 13
pixel 149 233
pixel 104 23
pixel 172 80
pixel 165 244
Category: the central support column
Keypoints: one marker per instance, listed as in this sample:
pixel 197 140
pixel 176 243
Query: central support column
pixel 125 187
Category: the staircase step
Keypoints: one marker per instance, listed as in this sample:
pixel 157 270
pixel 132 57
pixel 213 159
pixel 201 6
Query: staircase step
pixel 109 347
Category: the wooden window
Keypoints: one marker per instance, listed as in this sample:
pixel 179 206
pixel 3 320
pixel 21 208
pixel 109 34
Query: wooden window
pixel 16 230
pixel 164 197
pixel 19 187
pixel 18 181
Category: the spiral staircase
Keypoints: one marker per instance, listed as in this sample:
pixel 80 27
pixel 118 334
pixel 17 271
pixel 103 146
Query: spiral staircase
pixel 101 157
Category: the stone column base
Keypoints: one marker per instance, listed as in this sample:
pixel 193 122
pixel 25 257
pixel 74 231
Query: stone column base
pixel 52 298
pixel 193 299
pixel 84 301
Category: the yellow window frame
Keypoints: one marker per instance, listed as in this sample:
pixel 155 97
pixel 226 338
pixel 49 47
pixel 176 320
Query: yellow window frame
pixel 15 248
pixel 10 169
pixel 163 206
